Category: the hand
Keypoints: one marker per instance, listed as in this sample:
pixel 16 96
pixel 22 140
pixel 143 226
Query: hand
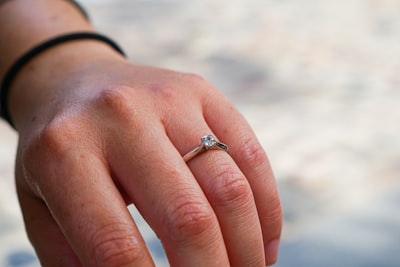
pixel 114 134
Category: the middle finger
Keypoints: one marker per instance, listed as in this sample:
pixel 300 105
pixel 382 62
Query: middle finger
pixel 164 190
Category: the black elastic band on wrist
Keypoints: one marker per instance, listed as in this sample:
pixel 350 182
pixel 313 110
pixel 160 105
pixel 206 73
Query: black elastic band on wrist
pixel 25 58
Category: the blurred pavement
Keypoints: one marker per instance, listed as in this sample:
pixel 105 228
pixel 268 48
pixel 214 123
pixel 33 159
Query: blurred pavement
pixel 318 81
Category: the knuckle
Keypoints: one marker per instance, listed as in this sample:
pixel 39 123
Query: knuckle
pixel 166 91
pixel 231 187
pixel 253 152
pixel 116 247
pixel 53 141
pixel 196 82
pixel 183 83
pixel 120 110
pixel 52 149
pixel 199 84
pixel 118 102
pixel 188 217
pixel 57 136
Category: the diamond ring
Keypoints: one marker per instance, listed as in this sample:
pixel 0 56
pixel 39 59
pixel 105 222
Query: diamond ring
pixel 207 142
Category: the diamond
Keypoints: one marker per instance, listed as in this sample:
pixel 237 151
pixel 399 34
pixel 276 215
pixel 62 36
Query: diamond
pixel 208 141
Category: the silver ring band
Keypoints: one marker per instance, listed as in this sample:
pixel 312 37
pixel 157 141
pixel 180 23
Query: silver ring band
pixel 207 142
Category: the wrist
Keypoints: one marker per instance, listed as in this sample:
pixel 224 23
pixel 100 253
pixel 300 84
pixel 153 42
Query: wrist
pixel 29 23
pixel 52 77
pixel 24 24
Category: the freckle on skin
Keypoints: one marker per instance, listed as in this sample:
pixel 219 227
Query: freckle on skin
pixel 155 87
pixel 54 18
pixel 31 67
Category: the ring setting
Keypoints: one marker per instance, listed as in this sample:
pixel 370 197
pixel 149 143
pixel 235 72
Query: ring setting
pixel 208 142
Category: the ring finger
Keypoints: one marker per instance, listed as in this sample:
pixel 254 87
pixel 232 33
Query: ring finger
pixel 228 192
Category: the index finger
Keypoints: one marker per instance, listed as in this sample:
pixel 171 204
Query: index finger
pixel 89 209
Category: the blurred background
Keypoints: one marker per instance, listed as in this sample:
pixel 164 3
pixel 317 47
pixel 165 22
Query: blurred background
pixel 319 82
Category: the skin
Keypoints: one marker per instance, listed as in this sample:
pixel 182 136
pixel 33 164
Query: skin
pixel 97 133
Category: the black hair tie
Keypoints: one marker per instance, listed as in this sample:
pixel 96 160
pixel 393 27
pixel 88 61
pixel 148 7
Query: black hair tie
pixel 25 58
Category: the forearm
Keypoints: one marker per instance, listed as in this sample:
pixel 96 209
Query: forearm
pixel 23 25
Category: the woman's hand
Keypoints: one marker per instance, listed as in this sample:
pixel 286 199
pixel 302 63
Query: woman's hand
pixel 113 133
pixel 97 133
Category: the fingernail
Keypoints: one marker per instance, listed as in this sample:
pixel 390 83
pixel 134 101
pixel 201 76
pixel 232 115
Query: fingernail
pixel 271 252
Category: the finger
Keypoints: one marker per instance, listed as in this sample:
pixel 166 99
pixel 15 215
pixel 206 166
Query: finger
pixel 252 160
pixel 50 244
pixel 89 209
pixel 227 190
pixel 169 198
